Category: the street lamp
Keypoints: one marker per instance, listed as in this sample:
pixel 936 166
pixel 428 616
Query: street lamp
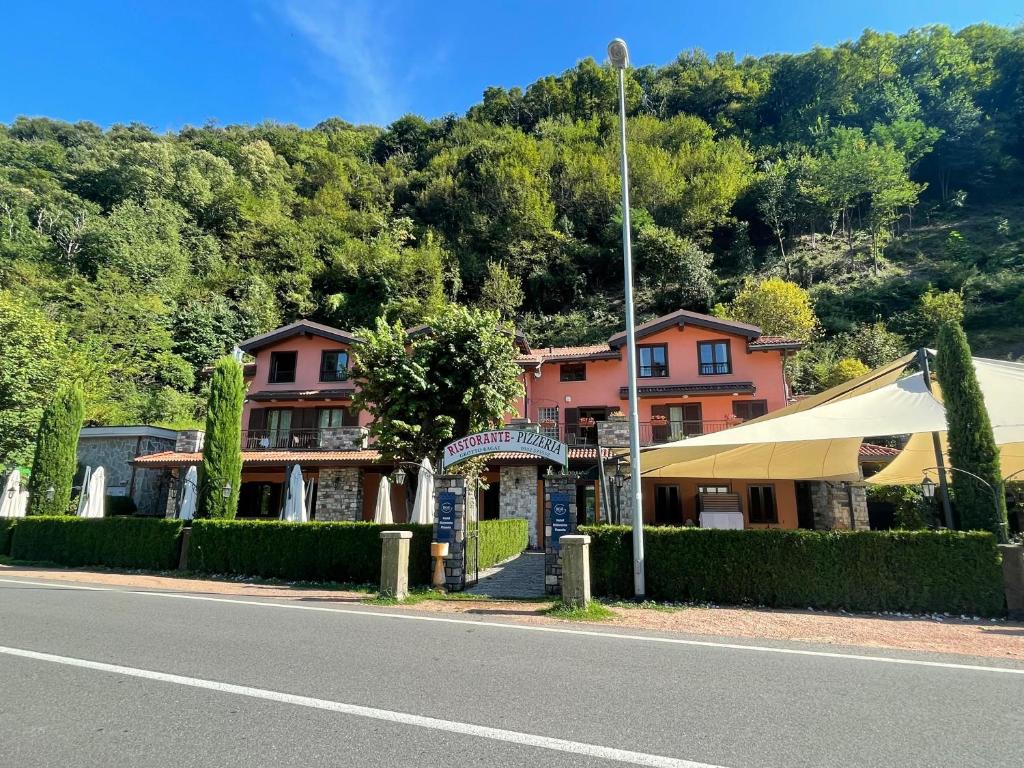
pixel 618 54
pixel 928 487
pixel 399 476
pixel 928 490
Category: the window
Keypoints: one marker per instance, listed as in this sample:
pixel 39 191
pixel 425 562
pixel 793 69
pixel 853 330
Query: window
pixel 572 372
pixel 714 358
pixel 282 367
pixel 749 409
pixel 653 361
pixel 762 504
pixel 333 365
pixel 548 418
pixel 712 489
pixel 279 427
pixel 332 417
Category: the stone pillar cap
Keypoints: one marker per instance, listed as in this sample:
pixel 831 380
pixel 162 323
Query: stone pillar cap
pixel 396 534
pixel 574 538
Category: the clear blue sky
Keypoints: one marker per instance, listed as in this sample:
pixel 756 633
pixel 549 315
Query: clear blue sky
pixel 167 63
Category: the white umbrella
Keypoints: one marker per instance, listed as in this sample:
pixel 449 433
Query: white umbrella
pixel 187 497
pixel 97 493
pixel 423 506
pixel 295 499
pixel 21 506
pixel 382 512
pixel 12 495
pixel 83 496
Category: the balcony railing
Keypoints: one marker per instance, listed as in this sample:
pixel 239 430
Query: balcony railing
pixel 715 369
pixel 651 432
pixel 283 439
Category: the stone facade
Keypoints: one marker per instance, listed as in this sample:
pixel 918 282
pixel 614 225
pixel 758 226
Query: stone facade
pixel 455 562
pixel 613 433
pixel 340 495
pixel 344 438
pixel 518 497
pixel 190 441
pixel 113 448
pixel 839 507
pixel 553 556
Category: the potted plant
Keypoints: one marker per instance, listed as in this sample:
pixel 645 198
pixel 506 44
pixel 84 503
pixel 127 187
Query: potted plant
pixel 659 419
pixel 616 415
pixel 587 421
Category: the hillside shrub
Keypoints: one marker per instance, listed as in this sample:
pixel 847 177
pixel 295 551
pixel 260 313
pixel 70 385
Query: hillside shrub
pixel 117 542
pixel 6 534
pixel 342 552
pixel 913 571
pixel 54 463
pixel 501 539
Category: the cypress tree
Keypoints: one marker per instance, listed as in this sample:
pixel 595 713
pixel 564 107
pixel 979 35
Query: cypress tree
pixel 222 453
pixel 972 446
pixel 56 458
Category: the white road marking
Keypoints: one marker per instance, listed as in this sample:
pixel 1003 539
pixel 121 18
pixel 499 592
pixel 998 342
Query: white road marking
pixel 368 612
pixel 387 715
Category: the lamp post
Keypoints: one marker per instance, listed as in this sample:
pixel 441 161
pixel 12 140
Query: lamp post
pixel 928 491
pixel 618 53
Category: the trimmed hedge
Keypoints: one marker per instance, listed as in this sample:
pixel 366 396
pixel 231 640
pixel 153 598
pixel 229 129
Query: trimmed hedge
pixel 914 571
pixel 342 552
pixel 501 539
pixel 6 534
pixel 118 542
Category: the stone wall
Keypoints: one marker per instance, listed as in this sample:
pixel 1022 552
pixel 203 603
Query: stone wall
pixel 613 433
pixel 340 494
pixel 465 508
pixel 553 556
pixel 344 438
pixel 146 487
pixel 518 497
pixel 839 507
pixel 190 441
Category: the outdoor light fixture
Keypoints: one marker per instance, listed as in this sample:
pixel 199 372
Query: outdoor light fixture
pixel 537 374
pixel 10 493
pixel 50 493
pixel 928 487
pixel 226 490
pixel 618 53
pixel 398 478
pixel 618 478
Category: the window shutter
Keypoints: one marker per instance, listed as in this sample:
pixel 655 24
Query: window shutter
pixel 258 418
pixel 572 416
pixel 660 432
pixel 351 417
pixel 304 418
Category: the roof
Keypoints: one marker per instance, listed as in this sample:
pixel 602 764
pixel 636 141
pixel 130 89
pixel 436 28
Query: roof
pixel 248 370
pixel 682 318
pixel 668 390
pixel 763 343
pixel 298 328
pixel 131 430
pixel 338 393
pixel 520 338
pixel 566 354
pixel 872 451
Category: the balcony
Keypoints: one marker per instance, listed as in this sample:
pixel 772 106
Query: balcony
pixel 651 432
pixel 320 439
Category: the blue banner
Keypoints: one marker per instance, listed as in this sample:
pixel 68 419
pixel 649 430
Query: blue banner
pixel 446 516
pixel 561 522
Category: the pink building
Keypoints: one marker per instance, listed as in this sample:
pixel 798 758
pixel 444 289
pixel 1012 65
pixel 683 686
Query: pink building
pixel 697 374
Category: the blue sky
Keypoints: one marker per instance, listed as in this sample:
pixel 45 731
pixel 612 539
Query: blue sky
pixel 168 63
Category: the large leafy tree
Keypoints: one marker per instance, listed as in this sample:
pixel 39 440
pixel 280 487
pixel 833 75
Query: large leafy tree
pixel 222 452
pixel 457 376
pixel 972 446
pixel 777 307
pixel 55 461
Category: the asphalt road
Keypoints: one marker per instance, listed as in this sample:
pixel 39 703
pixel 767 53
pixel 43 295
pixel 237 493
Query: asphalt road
pixel 132 678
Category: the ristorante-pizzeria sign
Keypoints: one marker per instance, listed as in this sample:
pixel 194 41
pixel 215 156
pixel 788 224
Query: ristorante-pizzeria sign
pixel 504 440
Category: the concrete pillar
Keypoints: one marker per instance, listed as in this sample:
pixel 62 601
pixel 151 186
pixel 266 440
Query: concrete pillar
pixel 575 571
pixel 394 564
pixel 1013 578
pixel 452 505
pixel 559 520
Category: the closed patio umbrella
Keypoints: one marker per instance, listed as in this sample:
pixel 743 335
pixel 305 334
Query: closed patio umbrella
pixel 11 499
pixel 382 512
pixel 423 506
pixel 83 496
pixel 97 490
pixel 187 499
pixel 295 500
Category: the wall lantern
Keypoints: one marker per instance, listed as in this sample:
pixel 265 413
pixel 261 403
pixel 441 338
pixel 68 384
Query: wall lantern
pixel 226 490
pixel 928 487
pixel 398 477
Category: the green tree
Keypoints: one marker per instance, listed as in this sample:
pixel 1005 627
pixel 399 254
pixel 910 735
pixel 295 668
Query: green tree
pixel 459 377
pixel 222 453
pixel 842 370
pixel 55 460
pixel 501 293
pixel 777 307
pixel 972 446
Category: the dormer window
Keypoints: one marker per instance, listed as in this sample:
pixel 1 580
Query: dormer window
pixel 714 358
pixel 282 367
pixel 334 365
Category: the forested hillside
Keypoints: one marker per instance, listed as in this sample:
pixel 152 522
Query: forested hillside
pixel 882 175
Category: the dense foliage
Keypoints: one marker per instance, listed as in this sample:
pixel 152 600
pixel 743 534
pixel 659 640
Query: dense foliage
pixel 115 542
pixel 501 539
pixel 222 452
pixel 870 174
pixel 6 534
pixel 972 445
pixel 918 571
pixel 342 552
pixel 55 460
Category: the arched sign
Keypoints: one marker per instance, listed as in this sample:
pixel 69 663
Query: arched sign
pixel 504 440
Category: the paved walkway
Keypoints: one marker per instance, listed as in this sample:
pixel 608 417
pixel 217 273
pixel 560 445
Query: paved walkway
pixel 522 576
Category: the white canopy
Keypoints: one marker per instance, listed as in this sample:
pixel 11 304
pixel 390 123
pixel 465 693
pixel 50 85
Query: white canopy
pixel 10 503
pixel 187 497
pixel 96 489
pixel 382 512
pixel 423 506
pixel 819 438
pixel 295 498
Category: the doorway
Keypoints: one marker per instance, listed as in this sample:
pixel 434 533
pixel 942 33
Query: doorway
pixel 668 508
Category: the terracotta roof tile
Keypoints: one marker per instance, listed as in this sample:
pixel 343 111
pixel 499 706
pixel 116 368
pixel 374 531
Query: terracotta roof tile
pixel 870 450
pixel 774 341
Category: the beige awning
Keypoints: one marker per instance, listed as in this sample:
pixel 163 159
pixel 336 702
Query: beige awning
pixel 919 455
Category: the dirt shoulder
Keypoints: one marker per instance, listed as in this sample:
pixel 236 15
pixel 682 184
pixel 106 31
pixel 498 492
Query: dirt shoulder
pixel 994 639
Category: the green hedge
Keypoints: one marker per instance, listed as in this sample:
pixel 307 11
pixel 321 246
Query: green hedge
pixel 915 571
pixel 6 534
pixel 501 539
pixel 342 552
pixel 118 542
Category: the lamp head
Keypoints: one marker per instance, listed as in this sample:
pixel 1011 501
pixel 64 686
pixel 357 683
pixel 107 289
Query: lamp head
pixel 399 476
pixel 226 490
pixel 618 53
pixel 928 487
